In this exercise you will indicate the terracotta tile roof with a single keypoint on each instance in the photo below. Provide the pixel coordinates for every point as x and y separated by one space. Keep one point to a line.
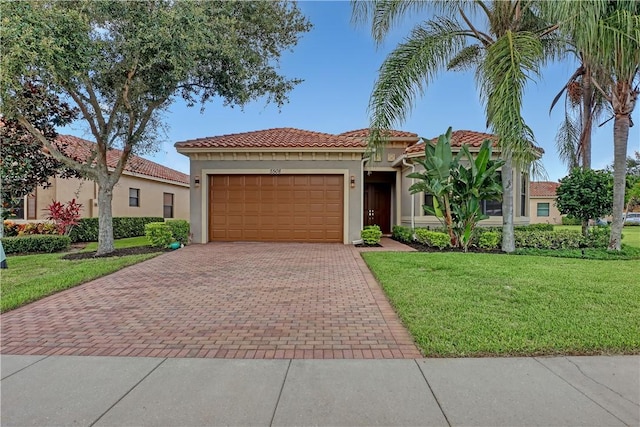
274 138
363 133
543 189
80 149
458 139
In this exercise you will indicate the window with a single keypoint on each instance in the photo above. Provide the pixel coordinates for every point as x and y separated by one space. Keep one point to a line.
428 201
31 206
167 205
523 196
491 207
543 209
134 197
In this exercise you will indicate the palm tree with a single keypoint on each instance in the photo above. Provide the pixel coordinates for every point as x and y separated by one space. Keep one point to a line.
608 32
505 54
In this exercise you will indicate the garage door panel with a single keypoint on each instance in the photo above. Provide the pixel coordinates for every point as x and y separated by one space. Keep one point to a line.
276 208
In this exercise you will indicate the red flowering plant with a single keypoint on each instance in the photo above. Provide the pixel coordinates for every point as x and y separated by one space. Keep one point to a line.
64 216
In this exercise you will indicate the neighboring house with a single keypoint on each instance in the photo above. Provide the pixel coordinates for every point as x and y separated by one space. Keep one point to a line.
543 203
295 185
144 189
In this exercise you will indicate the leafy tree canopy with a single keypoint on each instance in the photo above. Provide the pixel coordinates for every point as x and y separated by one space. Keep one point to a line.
585 194
23 163
122 63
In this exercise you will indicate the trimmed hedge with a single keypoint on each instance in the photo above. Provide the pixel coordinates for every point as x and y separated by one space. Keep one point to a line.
489 240
402 234
561 239
433 238
371 235
159 234
179 229
123 227
36 243
569 220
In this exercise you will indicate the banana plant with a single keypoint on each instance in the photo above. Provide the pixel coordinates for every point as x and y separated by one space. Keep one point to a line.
458 184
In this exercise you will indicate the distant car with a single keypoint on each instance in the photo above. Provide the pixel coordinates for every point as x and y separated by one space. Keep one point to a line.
632 218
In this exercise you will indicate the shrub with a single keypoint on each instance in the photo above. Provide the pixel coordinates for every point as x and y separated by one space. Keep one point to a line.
36 243
561 239
10 228
433 238
65 217
179 229
489 240
123 227
402 234
371 235
539 227
569 220
32 228
159 234
597 237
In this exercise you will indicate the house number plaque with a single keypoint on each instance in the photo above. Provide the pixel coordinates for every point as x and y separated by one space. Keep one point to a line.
276 171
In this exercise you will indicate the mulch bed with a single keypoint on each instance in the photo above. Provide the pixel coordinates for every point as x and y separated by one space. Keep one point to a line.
118 252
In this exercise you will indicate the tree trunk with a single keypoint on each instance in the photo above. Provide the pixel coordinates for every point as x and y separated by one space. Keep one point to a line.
105 219
620 138
585 134
508 238
587 119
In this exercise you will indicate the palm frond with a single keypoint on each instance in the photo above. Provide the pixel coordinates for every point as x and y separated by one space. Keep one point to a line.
509 63
568 141
468 58
407 70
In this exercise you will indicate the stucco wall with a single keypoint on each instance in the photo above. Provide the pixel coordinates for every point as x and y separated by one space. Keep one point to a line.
347 167
555 217
85 192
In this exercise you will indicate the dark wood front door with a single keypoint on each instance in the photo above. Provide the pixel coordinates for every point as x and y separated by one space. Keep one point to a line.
377 205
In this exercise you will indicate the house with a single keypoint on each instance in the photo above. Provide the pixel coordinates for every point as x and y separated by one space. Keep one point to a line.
289 184
144 189
543 203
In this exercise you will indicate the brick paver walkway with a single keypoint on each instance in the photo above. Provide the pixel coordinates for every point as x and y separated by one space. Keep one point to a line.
225 300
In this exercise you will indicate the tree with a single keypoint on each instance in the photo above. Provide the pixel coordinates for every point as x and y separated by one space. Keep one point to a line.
609 33
458 185
122 64
24 165
505 54
585 194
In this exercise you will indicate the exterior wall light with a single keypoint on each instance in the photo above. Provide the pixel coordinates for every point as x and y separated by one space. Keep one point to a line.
353 181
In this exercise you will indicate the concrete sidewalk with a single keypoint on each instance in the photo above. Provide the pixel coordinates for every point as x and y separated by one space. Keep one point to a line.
102 391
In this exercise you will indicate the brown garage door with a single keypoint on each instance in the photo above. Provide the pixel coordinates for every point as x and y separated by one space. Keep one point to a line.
289 208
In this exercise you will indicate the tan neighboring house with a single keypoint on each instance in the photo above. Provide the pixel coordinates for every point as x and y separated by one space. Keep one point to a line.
144 189
296 185
543 203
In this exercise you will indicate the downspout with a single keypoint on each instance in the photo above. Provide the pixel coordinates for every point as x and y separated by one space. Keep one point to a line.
413 196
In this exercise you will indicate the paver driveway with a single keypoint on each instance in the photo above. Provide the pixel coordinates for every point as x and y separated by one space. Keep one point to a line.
231 300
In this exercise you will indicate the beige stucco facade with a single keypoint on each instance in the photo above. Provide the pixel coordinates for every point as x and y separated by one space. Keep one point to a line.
544 211
358 166
151 197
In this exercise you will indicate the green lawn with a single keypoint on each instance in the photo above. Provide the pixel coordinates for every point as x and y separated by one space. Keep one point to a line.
457 304
32 277
129 242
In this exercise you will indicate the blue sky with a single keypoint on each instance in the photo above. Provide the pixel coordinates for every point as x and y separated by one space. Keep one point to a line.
339 62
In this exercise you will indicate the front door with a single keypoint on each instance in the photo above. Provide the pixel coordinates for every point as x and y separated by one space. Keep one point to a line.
377 205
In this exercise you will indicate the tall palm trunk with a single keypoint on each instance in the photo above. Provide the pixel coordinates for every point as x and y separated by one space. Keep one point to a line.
587 118
587 121
620 138
508 238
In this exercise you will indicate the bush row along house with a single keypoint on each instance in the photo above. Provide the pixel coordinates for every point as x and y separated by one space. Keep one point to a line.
296 185
145 189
